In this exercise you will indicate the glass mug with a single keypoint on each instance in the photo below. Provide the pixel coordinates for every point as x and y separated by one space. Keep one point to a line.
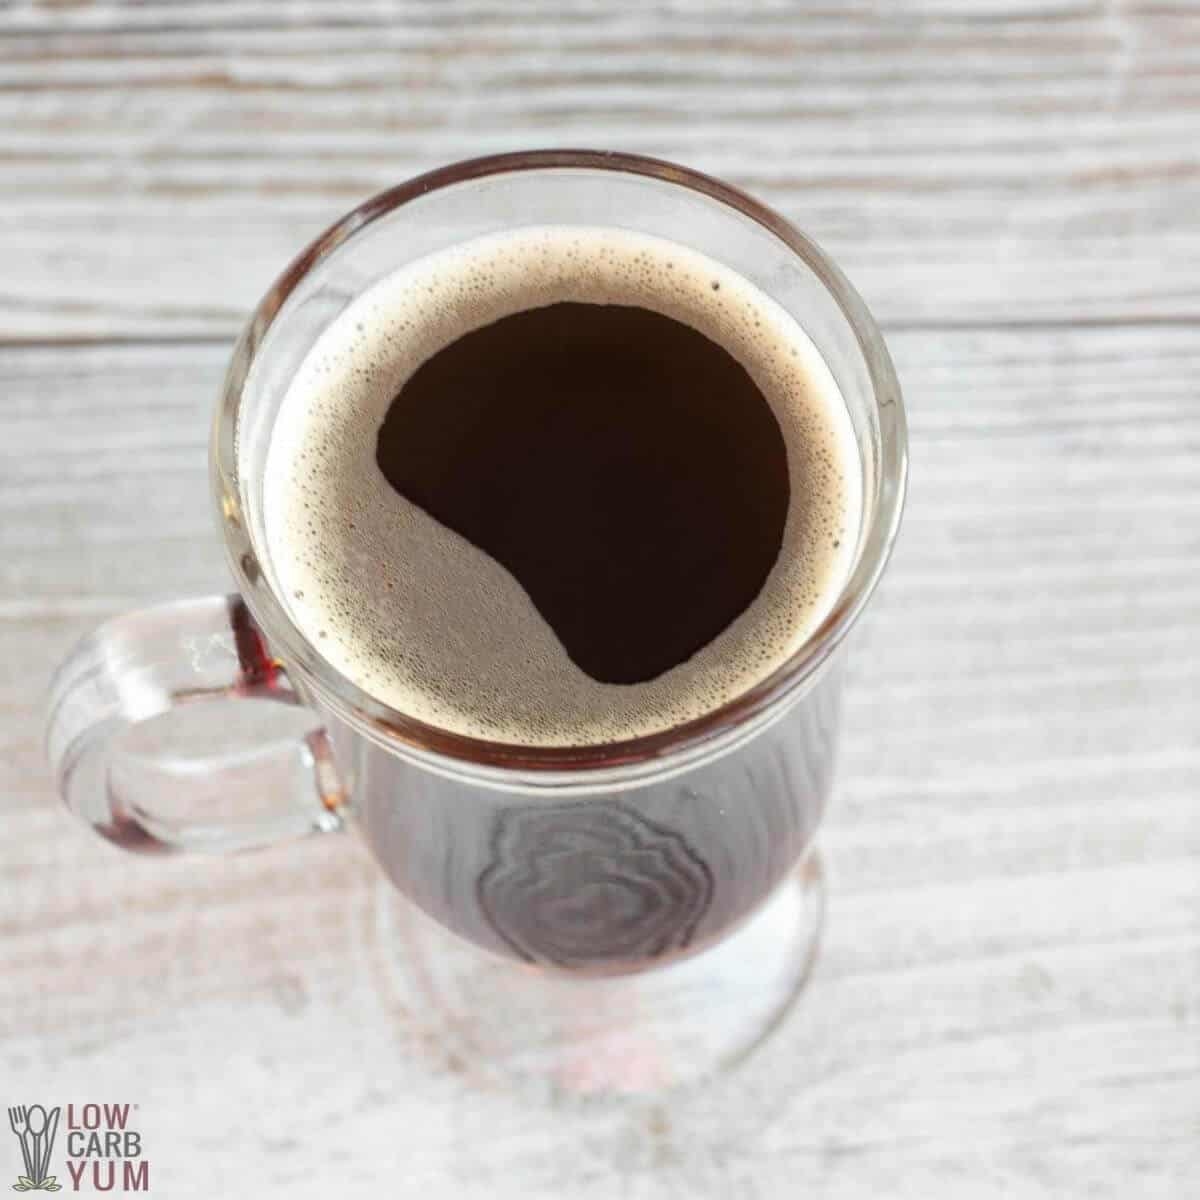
688 847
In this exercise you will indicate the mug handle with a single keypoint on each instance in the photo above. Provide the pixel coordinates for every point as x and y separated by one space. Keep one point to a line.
183 658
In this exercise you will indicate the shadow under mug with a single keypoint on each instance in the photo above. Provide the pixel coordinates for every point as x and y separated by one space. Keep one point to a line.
595 862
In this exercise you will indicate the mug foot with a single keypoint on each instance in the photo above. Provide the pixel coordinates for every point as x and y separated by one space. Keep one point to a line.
673 1026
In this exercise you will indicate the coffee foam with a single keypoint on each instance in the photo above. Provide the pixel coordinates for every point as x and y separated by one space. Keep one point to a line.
431 625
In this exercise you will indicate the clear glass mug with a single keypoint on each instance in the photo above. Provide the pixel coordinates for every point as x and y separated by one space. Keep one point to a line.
595 862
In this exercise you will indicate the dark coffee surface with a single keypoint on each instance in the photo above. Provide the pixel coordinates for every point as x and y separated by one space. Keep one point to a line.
623 467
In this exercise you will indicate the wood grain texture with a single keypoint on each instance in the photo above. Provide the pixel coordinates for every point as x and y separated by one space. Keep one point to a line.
1008 1002
982 162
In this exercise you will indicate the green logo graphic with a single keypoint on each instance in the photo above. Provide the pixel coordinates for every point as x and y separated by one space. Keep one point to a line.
35 1128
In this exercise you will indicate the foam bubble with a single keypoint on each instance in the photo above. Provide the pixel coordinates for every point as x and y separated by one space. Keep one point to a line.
431 625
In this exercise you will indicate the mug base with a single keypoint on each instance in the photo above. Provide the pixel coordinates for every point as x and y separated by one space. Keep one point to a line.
673 1026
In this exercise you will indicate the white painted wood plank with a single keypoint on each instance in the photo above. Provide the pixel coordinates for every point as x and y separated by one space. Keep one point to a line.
980 163
1008 1001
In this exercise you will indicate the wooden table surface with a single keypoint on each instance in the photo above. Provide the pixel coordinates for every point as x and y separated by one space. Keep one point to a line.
1008 1000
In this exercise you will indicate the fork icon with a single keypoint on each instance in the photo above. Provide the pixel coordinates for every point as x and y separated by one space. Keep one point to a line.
19 1120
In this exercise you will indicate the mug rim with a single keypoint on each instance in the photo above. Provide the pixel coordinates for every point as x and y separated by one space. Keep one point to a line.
399 731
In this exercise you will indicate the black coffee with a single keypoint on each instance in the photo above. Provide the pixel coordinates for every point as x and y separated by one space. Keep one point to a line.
561 486
624 467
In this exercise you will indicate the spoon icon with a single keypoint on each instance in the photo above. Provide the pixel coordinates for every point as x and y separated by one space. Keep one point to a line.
36 1127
